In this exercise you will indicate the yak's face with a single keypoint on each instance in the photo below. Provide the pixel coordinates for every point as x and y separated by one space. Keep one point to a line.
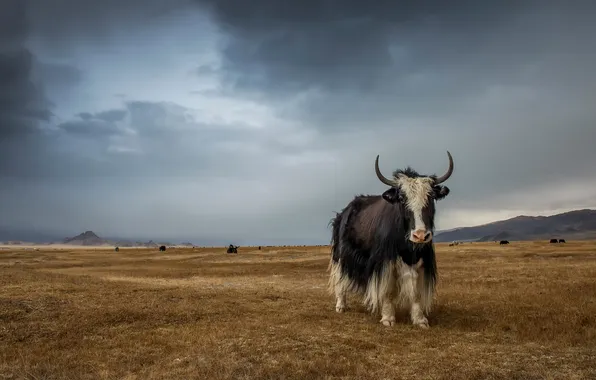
416 195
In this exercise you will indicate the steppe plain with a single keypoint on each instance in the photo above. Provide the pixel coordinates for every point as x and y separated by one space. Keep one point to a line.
521 311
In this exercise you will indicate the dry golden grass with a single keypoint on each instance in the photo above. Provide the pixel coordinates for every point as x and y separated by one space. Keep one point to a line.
523 311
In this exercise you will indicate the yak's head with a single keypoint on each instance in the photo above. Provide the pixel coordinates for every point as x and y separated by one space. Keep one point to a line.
416 194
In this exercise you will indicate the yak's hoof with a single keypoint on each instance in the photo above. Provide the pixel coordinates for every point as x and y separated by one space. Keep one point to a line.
388 321
423 323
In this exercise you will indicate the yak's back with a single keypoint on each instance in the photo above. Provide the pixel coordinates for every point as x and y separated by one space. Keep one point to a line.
365 214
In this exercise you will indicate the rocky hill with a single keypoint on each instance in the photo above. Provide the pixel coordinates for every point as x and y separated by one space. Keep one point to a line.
573 225
87 238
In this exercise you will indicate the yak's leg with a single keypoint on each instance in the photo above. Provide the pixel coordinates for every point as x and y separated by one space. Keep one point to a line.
417 316
416 311
410 294
340 298
388 311
384 284
425 292
339 285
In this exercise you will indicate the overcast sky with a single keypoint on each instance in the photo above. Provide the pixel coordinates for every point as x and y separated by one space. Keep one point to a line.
252 122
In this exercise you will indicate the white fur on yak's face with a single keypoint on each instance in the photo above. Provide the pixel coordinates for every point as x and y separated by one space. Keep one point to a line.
418 194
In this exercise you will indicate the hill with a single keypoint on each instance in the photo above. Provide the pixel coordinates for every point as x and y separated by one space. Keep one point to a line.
87 238
577 225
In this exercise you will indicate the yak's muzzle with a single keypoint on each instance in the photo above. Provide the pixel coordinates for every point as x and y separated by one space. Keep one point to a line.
421 236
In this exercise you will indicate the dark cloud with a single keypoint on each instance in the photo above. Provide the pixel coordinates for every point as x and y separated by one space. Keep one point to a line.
93 22
55 74
506 86
293 45
25 109
387 58
111 115
153 139
23 104
85 116
93 127
13 24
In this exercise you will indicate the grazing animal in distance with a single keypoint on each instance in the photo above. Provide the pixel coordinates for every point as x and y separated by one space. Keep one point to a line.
504 242
561 240
162 248
259 247
554 241
382 246
232 249
116 249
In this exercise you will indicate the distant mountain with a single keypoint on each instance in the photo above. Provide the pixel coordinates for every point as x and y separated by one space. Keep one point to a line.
9 236
578 225
86 238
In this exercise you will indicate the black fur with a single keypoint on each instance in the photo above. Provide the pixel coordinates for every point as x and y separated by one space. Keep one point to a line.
365 248
360 259
503 242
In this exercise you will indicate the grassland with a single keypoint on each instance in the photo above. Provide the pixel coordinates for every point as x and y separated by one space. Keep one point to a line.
523 311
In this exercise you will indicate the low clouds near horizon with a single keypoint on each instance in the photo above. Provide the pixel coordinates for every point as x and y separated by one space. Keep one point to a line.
216 121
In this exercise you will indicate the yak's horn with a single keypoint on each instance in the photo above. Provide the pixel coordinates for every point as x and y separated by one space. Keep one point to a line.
446 176
381 176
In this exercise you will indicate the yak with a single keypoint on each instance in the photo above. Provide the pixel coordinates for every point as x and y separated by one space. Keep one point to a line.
561 240
162 248
382 246
504 242
232 249
553 241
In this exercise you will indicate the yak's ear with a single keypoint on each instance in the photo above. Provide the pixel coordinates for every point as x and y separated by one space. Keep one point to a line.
440 192
391 195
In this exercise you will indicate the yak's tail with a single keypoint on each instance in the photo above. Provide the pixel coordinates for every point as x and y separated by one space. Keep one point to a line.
334 266
335 222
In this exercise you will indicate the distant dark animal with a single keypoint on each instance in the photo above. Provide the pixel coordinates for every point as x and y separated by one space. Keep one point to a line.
382 246
561 240
259 247
116 249
504 242
232 249
162 248
554 241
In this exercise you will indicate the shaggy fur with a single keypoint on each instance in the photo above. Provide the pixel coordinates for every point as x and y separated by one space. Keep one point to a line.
371 253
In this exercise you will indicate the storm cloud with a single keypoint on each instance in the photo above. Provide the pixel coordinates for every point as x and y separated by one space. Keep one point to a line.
218 120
